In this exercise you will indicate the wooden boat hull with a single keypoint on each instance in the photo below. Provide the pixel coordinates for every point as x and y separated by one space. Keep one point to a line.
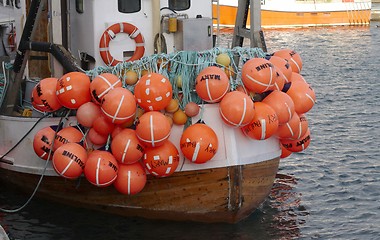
276 18
227 194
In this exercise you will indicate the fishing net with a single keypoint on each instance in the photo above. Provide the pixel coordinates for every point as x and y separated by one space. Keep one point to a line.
183 65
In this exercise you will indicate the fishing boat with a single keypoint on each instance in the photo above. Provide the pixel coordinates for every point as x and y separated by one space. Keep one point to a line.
169 39
301 13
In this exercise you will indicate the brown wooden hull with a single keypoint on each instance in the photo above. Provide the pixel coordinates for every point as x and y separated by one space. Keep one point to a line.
227 194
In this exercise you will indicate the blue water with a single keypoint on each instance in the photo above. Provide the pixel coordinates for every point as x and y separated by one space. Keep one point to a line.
329 191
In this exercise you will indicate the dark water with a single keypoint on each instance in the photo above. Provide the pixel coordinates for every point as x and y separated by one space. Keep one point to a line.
330 191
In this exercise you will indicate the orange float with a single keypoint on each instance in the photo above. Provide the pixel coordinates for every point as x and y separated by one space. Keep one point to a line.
42 142
302 95
69 160
237 109
297 77
279 80
101 168
117 129
172 106
110 33
212 84
282 104
119 105
304 125
102 84
131 179
285 152
44 96
180 117
153 92
67 135
264 123
161 161
292 57
299 144
126 147
192 109
102 126
73 90
291 129
199 143
97 138
283 65
258 75
153 129
87 113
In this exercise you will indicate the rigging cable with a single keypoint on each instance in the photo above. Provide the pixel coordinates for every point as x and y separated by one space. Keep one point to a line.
45 167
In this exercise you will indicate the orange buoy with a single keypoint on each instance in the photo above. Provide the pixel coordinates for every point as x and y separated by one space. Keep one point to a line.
169 116
42 142
279 79
285 152
102 84
131 178
258 75
172 106
304 125
212 84
102 126
180 117
153 92
87 113
67 135
126 147
131 77
101 168
237 109
292 57
290 129
97 138
282 104
69 160
299 144
297 77
153 129
73 90
302 95
199 143
117 129
192 109
264 123
283 65
44 96
161 161
119 105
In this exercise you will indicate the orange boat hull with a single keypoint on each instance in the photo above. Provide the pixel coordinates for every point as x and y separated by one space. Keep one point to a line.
296 19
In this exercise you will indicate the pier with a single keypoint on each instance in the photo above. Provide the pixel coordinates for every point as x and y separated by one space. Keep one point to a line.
375 10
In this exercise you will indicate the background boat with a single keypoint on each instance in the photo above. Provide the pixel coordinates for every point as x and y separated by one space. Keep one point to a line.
296 13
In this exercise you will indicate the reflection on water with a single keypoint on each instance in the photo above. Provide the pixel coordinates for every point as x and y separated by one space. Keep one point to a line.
279 217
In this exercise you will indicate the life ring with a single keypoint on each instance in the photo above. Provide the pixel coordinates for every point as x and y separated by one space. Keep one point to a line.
9 40
110 33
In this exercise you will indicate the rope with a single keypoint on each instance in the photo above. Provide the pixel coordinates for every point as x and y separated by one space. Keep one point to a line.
183 66
45 167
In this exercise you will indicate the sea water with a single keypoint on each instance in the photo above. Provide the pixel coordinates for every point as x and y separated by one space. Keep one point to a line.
329 191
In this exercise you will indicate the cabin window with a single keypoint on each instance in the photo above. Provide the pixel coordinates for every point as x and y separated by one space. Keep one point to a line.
179 5
129 6
79 6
